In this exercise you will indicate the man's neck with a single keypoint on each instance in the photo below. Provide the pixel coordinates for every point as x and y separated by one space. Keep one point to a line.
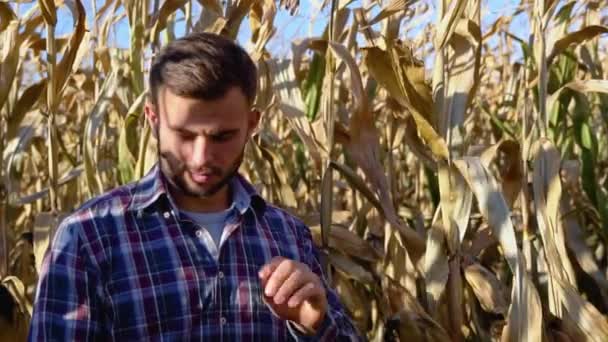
217 202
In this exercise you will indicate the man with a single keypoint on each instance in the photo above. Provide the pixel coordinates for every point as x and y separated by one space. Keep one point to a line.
190 251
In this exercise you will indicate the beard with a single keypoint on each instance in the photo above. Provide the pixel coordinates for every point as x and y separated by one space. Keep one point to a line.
175 172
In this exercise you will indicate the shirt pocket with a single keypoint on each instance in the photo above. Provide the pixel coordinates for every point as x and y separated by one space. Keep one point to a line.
245 292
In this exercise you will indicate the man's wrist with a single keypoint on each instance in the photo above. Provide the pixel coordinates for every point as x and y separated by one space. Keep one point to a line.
302 333
304 330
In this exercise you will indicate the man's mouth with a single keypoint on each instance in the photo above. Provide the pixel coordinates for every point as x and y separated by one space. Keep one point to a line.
201 177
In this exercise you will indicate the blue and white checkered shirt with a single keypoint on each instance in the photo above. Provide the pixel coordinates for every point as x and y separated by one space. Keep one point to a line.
125 267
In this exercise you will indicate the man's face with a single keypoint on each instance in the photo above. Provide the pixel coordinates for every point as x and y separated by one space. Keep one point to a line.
201 143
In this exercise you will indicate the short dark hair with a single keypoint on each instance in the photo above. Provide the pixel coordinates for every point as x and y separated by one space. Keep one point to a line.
203 66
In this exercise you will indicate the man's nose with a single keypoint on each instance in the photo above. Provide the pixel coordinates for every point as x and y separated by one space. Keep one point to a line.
201 152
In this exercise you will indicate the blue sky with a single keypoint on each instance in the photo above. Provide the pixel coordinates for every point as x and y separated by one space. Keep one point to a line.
308 21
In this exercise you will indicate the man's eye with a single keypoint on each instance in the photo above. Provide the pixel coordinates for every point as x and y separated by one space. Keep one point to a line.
222 137
186 136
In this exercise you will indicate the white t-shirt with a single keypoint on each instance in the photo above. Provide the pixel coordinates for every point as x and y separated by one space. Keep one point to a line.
215 222
212 222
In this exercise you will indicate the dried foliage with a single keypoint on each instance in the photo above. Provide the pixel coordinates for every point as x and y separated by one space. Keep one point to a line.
454 177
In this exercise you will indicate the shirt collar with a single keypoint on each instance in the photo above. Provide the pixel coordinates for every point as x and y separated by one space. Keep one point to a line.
151 188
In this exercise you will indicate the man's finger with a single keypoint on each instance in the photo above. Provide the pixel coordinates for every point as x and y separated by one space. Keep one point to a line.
294 282
310 290
269 268
278 277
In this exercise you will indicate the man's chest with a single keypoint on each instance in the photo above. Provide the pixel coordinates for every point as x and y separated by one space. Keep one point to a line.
163 280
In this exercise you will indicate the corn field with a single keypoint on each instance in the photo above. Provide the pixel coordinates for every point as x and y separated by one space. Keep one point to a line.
455 178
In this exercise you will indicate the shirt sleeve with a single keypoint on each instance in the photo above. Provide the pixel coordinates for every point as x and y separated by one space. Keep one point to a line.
337 325
67 306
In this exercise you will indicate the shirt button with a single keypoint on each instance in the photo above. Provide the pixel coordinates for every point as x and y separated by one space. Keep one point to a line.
199 234
220 274
167 214
223 320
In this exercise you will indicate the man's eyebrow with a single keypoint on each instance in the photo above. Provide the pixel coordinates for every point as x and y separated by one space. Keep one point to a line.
210 132
223 131
184 130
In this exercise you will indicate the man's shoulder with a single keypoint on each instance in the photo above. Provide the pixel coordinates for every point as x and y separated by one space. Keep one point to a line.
116 199
284 217
114 202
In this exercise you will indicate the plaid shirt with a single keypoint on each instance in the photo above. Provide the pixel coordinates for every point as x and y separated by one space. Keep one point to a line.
126 267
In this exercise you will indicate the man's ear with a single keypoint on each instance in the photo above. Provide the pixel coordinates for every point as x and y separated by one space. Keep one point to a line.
152 117
254 121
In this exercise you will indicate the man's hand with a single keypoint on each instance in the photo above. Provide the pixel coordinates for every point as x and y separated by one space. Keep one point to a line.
294 292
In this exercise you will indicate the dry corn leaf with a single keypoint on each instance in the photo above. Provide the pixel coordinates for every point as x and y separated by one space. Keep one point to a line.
327 183
277 168
43 231
461 83
389 9
74 51
547 196
93 123
104 9
587 317
544 9
6 15
30 128
358 183
455 298
159 19
397 264
292 106
576 37
436 269
456 201
522 322
413 319
17 290
49 11
265 96
575 241
263 29
213 6
9 59
211 21
350 268
18 330
541 15
70 176
490 292
378 63
413 81
448 23
22 107
21 263
511 172
235 14
416 145
361 105
496 26
127 141
347 242
354 299
371 37
581 86
456 76
364 149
